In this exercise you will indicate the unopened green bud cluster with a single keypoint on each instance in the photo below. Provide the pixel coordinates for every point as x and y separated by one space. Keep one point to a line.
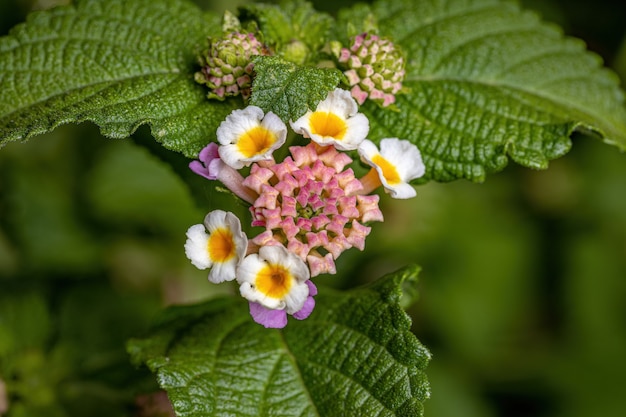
227 65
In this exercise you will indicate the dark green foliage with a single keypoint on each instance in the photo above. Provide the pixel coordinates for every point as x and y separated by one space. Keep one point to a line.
355 353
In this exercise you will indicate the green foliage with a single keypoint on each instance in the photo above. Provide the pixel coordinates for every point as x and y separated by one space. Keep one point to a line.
125 179
91 235
355 353
290 90
66 362
119 64
487 82
294 29
522 289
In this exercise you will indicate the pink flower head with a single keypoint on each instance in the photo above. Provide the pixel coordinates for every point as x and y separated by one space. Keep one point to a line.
309 204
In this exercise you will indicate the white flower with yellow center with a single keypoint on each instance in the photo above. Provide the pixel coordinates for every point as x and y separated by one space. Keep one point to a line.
218 244
274 278
249 136
397 163
335 121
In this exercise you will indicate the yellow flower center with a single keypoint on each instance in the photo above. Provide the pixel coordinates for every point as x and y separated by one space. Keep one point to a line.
256 141
274 281
389 171
328 124
221 245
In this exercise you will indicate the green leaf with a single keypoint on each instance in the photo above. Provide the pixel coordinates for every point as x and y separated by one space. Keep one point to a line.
354 355
40 201
24 324
487 82
294 29
290 90
130 188
118 63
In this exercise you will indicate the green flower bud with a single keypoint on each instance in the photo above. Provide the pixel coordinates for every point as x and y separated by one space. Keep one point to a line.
227 65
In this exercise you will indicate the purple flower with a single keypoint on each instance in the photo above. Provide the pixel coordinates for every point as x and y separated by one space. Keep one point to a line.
209 163
211 166
277 319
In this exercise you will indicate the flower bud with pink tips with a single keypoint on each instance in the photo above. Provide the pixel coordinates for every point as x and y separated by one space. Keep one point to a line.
374 68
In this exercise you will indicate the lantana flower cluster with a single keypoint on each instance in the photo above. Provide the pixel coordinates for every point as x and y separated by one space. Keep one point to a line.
310 206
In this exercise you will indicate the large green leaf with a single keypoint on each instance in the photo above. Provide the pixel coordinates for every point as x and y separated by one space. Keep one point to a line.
488 81
354 356
117 63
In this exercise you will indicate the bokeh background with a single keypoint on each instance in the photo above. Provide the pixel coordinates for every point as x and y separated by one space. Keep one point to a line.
522 293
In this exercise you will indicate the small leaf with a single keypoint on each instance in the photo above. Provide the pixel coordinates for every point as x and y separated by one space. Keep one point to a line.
119 64
488 81
290 90
355 355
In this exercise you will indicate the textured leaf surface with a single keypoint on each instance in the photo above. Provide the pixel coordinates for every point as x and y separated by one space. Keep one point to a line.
292 25
117 63
488 82
354 356
288 89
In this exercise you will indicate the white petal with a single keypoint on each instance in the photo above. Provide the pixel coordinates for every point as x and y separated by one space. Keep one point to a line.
196 247
220 219
358 128
224 271
229 133
231 156
367 149
278 255
248 292
273 254
239 237
401 191
237 123
215 220
274 124
301 126
405 156
295 299
249 268
339 102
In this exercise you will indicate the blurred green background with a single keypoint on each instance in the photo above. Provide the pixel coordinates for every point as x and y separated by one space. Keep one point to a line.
522 294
